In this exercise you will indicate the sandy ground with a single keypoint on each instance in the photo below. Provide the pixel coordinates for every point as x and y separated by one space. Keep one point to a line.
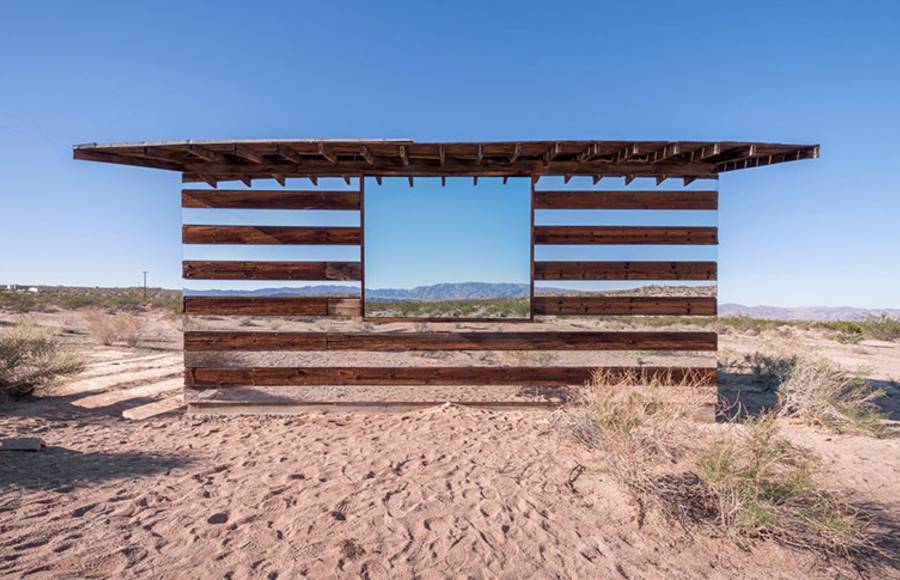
441 492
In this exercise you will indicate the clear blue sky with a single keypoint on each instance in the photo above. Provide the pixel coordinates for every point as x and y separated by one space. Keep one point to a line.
812 232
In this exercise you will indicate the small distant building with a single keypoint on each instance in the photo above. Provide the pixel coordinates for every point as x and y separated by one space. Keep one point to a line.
33 290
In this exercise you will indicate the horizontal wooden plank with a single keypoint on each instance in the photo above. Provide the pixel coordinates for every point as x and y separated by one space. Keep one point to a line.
434 341
223 407
272 306
625 305
625 235
248 199
684 200
448 376
210 234
226 270
625 271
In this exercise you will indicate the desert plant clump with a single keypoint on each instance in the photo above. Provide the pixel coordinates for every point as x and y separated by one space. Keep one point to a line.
760 486
636 430
748 484
820 392
109 329
33 358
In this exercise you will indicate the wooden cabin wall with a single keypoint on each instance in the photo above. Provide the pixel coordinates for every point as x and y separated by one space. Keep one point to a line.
287 354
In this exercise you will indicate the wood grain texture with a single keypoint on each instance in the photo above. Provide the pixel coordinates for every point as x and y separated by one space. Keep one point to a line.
625 271
228 270
663 200
444 376
625 305
213 234
246 199
436 341
664 235
272 306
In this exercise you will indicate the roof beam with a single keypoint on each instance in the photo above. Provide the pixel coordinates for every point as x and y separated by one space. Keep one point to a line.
367 155
703 153
314 180
626 153
247 153
248 181
404 158
592 151
204 153
328 155
442 155
480 154
517 151
289 154
279 178
210 180
552 152
664 154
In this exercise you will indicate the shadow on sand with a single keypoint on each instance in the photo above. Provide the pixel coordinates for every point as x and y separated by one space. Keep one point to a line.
64 469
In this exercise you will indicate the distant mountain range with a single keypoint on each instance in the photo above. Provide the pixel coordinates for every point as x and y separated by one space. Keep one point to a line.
485 290
446 291
814 313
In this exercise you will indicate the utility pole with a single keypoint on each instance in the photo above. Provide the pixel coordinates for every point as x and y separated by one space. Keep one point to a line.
145 284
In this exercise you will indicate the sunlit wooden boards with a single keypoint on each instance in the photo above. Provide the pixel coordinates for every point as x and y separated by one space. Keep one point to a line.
267 199
412 376
455 340
620 235
272 306
625 270
662 200
624 305
232 270
271 235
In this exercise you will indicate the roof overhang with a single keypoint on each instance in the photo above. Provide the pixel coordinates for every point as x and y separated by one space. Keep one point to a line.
215 161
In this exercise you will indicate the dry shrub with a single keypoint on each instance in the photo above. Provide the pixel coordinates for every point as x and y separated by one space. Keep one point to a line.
32 358
820 392
109 329
748 484
636 429
760 486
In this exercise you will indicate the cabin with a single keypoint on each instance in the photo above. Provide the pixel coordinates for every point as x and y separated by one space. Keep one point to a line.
251 352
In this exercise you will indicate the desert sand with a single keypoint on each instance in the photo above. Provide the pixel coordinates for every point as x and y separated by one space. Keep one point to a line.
447 491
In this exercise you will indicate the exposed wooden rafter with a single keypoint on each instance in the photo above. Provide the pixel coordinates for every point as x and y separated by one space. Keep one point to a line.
245 152
329 156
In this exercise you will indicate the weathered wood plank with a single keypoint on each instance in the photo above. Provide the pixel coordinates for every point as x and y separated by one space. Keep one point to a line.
272 306
212 234
244 199
681 200
434 341
220 407
625 271
625 235
449 376
228 270
625 305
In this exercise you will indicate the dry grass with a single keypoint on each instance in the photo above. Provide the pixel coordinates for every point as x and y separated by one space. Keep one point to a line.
820 392
748 484
760 486
33 358
637 429
122 327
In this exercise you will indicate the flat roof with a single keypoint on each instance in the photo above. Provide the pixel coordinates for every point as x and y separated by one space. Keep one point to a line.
245 160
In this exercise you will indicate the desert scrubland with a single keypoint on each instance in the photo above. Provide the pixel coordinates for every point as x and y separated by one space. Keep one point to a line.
592 489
